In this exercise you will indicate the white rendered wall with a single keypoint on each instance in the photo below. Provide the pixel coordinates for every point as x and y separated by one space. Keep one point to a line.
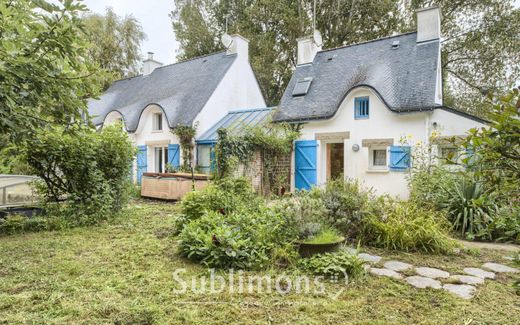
146 135
381 124
237 90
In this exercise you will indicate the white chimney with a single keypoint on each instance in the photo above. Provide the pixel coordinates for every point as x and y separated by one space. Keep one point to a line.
239 45
150 64
307 49
428 24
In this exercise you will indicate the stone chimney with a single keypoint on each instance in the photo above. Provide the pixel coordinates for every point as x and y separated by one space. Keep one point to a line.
150 64
307 49
239 46
428 24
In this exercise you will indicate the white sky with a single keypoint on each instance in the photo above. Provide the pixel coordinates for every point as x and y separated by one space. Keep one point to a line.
153 16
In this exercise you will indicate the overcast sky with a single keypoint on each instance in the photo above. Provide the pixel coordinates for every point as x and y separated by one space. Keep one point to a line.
153 16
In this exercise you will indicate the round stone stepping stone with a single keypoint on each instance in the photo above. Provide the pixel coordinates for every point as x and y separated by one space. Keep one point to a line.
467 279
385 272
397 266
423 282
499 268
369 258
475 271
430 272
462 290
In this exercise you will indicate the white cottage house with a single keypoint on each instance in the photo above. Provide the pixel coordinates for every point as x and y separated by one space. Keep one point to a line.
359 102
198 92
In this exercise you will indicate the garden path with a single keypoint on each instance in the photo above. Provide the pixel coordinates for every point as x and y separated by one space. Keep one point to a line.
462 285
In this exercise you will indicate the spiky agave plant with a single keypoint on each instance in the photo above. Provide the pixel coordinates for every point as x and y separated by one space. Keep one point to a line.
470 209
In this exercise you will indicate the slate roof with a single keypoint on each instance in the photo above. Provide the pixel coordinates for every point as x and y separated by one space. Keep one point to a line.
235 122
180 89
404 78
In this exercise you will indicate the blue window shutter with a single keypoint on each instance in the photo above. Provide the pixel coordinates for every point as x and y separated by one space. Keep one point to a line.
141 162
212 160
400 158
361 107
305 155
174 155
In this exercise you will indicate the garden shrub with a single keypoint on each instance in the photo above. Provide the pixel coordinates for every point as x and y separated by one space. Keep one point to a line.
239 240
347 204
337 264
469 208
305 212
408 227
16 224
224 196
84 173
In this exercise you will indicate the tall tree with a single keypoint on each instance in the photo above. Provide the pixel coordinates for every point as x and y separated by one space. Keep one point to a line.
45 74
116 42
480 48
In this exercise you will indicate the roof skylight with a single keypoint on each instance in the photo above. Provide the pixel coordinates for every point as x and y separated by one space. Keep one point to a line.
302 87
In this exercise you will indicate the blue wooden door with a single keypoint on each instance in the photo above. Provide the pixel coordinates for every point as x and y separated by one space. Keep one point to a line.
141 162
305 174
174 155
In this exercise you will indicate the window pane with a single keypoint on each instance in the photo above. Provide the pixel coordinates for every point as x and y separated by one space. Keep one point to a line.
379 157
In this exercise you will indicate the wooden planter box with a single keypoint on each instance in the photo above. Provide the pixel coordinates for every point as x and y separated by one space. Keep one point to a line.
170 186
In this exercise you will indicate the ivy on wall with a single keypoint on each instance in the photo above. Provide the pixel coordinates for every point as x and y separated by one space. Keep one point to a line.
272 141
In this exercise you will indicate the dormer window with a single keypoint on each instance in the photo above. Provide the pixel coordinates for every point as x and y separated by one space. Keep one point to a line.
157 122
302 87
361 108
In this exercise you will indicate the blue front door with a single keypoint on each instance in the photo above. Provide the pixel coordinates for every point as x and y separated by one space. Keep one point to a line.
305 153
141 162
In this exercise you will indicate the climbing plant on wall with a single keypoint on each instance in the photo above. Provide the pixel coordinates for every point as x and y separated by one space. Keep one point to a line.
186 135
271 141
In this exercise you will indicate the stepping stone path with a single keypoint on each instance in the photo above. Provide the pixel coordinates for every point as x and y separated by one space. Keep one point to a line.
386 272
462 290
480 273
369 258
462 285
466 279
499 268
397 266
430 272
423 282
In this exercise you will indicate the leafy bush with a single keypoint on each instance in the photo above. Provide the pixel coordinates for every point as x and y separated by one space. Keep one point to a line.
240 240
408 227
224 196
505 226
84 173
305 212
347 204
428 186
469 208
15 224
338 264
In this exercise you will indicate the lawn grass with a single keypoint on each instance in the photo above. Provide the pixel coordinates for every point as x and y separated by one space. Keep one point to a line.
121 272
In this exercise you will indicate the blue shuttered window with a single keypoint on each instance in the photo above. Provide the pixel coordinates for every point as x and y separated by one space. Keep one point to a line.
400 158
174 155
361 108
141 162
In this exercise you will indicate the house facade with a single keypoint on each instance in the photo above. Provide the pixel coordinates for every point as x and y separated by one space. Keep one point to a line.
196 92
364 108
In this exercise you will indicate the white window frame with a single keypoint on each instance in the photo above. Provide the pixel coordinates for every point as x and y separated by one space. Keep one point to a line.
157 122
371 166
164 157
